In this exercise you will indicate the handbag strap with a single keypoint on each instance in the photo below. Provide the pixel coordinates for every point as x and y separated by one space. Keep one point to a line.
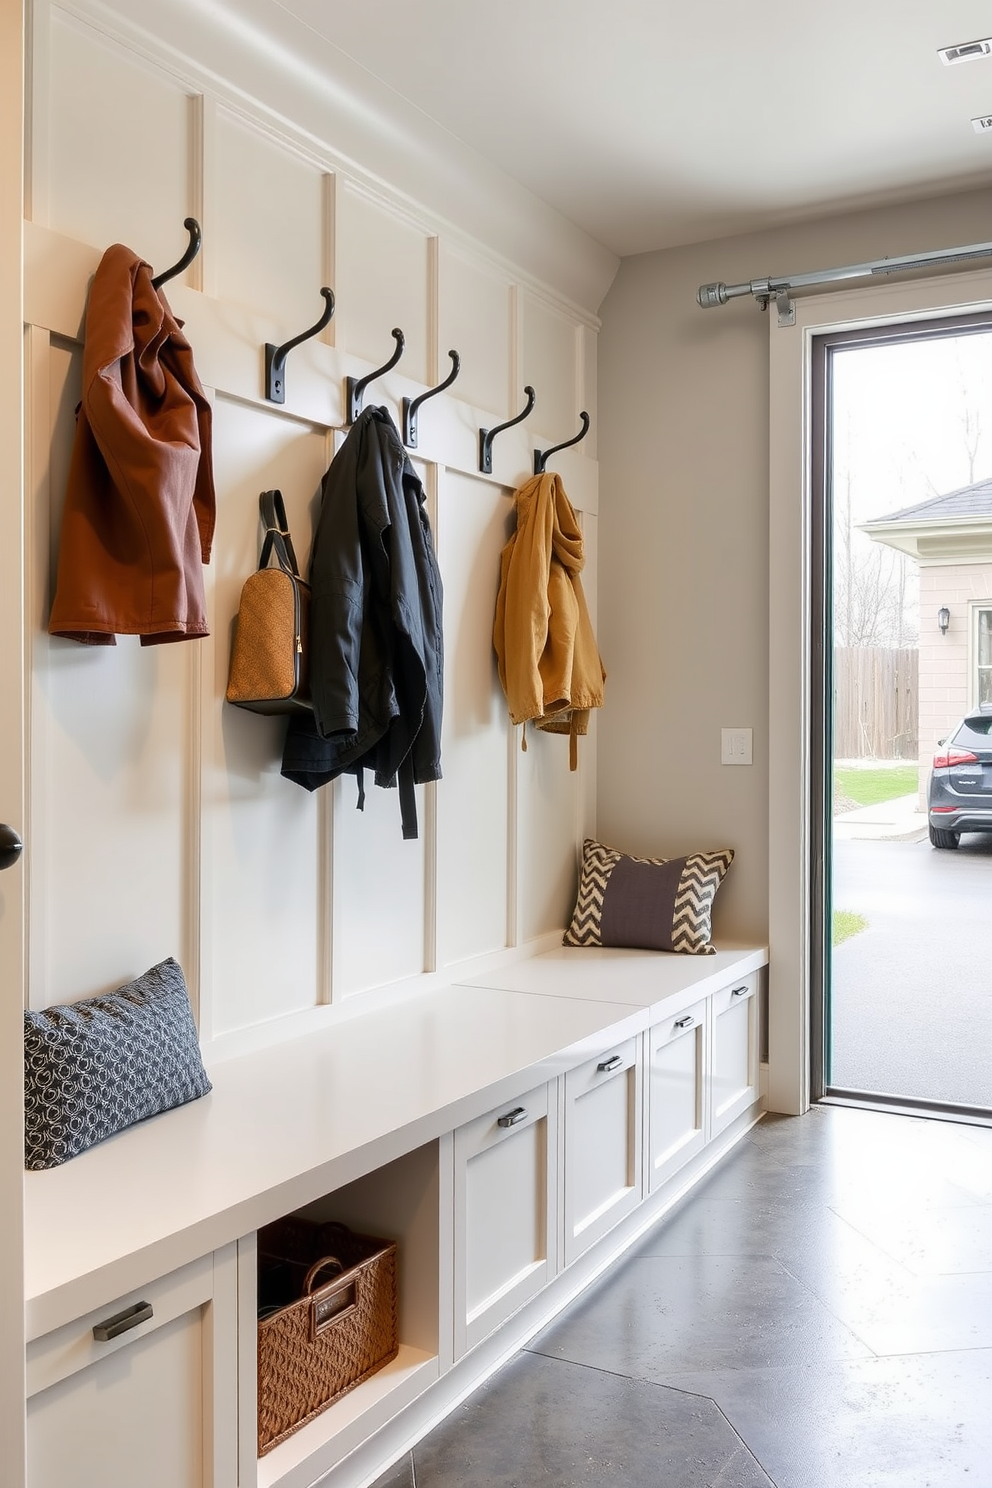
277 539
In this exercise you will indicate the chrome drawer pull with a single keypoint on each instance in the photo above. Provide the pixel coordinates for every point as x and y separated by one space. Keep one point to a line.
740 991
519 1113
614 1062
122 1322
687 1022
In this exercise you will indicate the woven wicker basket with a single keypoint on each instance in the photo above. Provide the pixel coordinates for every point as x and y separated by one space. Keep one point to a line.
327 1319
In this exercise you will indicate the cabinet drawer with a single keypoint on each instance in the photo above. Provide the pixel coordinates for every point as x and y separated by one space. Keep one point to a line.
141 1390
734 1082
65 1351
602 1117
677 1068
504 1213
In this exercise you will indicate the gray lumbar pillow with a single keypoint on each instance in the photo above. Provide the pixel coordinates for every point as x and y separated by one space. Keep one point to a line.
92 1068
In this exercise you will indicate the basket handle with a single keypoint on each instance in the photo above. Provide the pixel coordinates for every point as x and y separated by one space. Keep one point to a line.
335 1300
316 1269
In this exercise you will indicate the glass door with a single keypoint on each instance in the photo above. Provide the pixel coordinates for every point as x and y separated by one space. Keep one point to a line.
906 694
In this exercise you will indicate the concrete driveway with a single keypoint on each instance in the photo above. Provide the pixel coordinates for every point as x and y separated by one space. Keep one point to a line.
912 994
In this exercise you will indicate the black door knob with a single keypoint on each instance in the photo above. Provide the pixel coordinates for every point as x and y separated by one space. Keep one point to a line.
11 846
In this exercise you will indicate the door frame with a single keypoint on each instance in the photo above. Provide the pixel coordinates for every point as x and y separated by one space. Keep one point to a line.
796 865
823 347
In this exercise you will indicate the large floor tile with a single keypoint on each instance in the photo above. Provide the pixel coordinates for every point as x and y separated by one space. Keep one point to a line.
656 1316
909 1422
746 1226
542 1423
828 1158
939 1241
399 1476
889 1307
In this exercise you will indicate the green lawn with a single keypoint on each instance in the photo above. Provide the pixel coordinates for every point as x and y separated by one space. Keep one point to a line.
868 787
846 924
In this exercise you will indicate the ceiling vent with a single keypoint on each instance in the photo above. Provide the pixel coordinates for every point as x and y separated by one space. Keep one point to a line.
968 51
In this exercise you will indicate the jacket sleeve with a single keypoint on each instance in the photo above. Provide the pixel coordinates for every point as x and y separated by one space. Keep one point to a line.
523 608
337 583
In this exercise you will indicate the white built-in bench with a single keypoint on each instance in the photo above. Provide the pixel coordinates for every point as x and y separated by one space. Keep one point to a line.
626 1075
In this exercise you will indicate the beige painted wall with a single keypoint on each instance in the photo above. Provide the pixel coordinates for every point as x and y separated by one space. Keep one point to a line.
947 661
683 625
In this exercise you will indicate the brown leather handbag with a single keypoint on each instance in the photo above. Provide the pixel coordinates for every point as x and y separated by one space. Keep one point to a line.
270 653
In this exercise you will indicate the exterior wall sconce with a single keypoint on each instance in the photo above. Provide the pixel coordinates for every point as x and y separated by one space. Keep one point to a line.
943 619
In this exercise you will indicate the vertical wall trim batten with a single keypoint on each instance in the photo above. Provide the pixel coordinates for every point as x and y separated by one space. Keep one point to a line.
198 838
433 348
196 195
37 564
193 843
580 371
325 896
327 973
37 167
514 877
434 486
203 141
516 309
328 249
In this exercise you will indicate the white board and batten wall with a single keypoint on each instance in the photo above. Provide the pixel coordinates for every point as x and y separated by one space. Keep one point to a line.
159 821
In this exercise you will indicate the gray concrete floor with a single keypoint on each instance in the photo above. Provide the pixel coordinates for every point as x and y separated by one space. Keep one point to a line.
816 1314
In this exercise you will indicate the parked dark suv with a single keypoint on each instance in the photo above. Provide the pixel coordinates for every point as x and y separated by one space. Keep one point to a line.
959 796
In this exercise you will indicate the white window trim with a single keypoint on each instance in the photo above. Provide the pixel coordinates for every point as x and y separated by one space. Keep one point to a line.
790 504
975 608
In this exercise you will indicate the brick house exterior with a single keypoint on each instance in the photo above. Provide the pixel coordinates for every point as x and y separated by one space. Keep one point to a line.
950 537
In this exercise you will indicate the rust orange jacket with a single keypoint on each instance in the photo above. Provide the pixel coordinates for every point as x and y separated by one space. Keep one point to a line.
549 664
139 509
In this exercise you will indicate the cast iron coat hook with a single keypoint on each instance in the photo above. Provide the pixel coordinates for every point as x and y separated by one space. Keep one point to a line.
486 436
192 249
275 356
410 405
541 456
356 385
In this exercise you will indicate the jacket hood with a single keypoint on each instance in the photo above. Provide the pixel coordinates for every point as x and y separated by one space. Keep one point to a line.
565 536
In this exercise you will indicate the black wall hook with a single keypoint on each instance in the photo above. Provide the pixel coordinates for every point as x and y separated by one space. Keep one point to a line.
275 356
411 405
486 436
541 456
192 249
356 386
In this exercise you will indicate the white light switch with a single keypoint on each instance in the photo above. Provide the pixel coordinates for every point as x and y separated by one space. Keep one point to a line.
735 746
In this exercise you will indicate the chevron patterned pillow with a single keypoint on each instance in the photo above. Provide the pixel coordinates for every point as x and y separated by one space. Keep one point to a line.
650 904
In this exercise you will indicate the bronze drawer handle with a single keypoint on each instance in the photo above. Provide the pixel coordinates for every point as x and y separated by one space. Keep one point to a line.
608 1065
122 1322
518 1114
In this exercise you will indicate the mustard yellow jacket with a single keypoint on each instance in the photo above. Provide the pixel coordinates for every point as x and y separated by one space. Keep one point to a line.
549 664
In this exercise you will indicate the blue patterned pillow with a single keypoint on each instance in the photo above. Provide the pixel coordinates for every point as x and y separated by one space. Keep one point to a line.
92 1068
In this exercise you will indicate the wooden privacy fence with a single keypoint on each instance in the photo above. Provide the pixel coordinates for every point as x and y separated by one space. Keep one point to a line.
876 703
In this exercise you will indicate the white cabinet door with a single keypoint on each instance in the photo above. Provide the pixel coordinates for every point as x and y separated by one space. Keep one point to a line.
677 1065
505 1232
602 1121
142 1391
734 1084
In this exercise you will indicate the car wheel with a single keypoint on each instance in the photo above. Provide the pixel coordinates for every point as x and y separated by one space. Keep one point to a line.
940 838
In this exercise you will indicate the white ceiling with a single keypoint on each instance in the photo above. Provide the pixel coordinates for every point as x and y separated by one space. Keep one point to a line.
651 123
